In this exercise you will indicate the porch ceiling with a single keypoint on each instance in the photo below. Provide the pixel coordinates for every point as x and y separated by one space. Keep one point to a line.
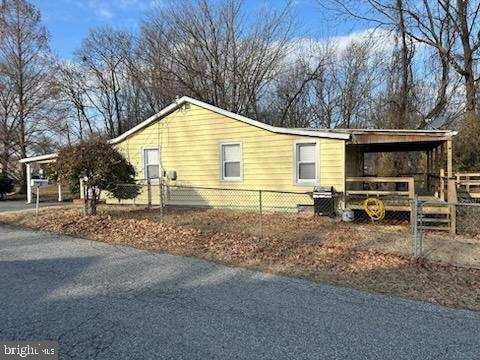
398 141
396 146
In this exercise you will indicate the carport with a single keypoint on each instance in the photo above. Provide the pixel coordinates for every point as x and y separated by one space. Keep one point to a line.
36 162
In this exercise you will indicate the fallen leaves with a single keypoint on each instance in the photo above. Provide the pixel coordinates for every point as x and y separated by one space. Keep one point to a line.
313 247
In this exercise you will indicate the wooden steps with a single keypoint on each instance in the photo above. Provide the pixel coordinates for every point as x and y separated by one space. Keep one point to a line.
434 217
438 218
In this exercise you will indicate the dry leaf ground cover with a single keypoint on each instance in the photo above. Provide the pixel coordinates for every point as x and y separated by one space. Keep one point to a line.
320 249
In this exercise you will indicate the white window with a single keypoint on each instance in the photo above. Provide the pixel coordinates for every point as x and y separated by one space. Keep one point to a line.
231 161
305 158
151 163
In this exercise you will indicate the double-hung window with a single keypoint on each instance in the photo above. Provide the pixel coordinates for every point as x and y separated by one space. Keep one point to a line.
231 161
151 163
305 163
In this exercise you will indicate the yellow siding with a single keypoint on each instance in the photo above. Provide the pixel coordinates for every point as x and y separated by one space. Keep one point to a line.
189 142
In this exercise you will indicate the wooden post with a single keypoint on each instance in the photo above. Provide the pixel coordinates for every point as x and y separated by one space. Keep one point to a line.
411 188
428 169
449 158
452 203
442 184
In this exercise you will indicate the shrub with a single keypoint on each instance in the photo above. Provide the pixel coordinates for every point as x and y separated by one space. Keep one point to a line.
102 166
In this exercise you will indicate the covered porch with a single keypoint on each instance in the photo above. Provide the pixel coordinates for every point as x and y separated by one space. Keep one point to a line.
429 178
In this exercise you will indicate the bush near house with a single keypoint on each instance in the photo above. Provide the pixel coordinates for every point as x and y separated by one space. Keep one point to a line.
102 167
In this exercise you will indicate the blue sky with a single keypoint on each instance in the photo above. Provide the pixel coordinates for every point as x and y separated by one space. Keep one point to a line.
68 21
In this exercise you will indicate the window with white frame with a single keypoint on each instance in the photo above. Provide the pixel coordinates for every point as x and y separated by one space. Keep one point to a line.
305 157
151 163
231 161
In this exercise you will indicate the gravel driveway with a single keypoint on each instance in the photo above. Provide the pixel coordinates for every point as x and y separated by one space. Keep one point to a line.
106 302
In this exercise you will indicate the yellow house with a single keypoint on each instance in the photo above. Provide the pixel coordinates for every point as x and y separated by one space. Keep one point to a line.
208 147
201 148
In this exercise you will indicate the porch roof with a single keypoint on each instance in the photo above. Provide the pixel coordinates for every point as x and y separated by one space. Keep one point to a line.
391 140
39 159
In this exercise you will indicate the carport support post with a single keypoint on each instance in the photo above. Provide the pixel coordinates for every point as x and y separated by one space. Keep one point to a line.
29 182
60 198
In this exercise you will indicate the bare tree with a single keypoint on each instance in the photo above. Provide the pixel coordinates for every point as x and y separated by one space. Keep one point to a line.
25 59
7 122
73 87
104 58
450 27
210 51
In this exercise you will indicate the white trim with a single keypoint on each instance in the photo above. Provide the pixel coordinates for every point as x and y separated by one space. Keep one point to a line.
296 180
144 165
29 183
27 160
387 131
220 147
185 99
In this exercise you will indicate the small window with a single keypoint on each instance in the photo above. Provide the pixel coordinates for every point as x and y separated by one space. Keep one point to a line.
231 157
306 162
151 161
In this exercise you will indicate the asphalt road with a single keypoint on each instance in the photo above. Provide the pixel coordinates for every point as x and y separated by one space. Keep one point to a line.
106 302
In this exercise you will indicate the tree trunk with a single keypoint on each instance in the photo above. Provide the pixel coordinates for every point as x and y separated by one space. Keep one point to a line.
91 207
471 105
469 72
23 154
90 201
405 70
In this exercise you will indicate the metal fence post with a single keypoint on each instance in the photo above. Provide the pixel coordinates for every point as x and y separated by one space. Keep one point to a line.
420 228
260 208
85 195
37 200
160 195
149 194
414 224
417 227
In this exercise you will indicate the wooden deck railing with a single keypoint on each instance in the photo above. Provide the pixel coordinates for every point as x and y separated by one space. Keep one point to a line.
377 184
470 182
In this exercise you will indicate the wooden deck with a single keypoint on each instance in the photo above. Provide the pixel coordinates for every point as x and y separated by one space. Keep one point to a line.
432 205
398 194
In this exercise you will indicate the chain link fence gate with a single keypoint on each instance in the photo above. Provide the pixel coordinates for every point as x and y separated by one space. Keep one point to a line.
447 232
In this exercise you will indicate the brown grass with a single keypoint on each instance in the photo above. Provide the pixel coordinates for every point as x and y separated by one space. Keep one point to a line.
320 249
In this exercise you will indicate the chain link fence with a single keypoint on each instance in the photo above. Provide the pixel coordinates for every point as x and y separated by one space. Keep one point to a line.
52 192
405 227
448 232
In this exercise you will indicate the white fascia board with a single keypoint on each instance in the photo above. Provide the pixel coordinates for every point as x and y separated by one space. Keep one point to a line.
173 106
38 158
185 99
